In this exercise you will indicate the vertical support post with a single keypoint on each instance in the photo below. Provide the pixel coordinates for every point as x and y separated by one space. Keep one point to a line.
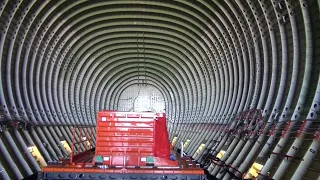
181 149
72 147
87 139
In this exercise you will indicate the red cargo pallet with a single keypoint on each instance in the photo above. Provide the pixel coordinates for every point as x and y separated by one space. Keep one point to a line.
132 139
128 145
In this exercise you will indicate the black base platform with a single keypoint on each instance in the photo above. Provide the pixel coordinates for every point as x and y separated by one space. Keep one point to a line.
91 176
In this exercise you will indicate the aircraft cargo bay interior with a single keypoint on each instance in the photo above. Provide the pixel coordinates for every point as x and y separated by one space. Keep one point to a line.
160 89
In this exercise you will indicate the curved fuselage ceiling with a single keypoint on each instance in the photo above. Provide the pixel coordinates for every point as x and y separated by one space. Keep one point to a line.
200 62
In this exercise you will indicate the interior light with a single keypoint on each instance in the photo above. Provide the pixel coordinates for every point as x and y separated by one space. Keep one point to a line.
37 155
174 140
66 146
87 142
253 171
200 148
30 148
186 143
220 154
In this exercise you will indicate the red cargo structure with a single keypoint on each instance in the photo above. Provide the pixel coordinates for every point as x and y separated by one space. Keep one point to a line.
132 139
128 145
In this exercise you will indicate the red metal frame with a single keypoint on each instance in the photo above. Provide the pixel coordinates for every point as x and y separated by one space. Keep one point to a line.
286 129
317 135
301 128
272 130
78 133
261 130
123 139
130 139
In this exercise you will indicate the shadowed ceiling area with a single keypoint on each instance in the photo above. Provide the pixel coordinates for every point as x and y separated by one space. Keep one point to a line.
62 61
